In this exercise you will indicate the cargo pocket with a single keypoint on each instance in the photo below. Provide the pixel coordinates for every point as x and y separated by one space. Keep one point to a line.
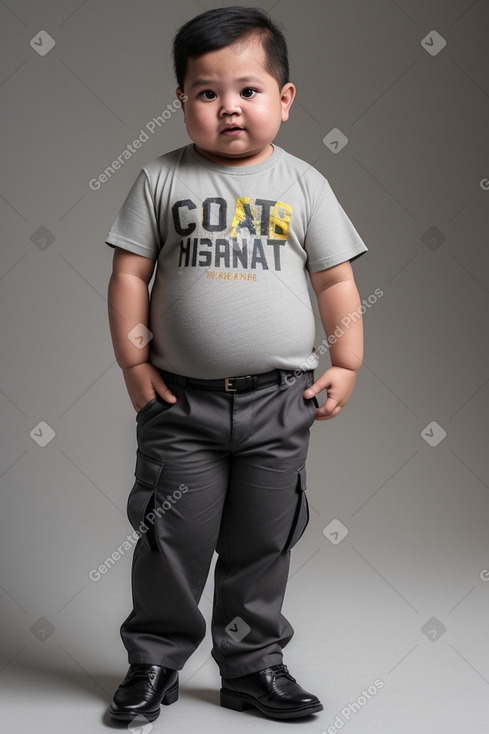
141 500
301 515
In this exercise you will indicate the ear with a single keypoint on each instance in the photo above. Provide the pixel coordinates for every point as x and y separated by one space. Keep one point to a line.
182 97
287 95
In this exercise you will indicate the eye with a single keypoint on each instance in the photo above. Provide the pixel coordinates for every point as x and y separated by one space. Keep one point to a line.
248 93
208 94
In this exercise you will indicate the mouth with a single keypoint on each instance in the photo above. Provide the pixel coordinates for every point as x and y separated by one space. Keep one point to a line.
232 130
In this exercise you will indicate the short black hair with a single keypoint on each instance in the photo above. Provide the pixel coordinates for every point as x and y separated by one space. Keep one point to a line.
222 27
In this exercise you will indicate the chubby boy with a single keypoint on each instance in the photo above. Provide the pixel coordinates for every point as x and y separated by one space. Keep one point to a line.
218 359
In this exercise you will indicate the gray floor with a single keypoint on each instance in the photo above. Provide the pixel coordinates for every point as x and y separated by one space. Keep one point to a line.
358 646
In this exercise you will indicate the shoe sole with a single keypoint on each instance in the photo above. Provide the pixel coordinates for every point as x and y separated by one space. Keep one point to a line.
241 701
169 697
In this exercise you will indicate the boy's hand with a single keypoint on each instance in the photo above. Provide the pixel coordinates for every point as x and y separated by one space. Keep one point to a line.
339 383
143 381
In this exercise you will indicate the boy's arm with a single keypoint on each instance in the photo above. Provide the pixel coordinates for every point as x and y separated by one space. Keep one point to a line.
338 299
128 300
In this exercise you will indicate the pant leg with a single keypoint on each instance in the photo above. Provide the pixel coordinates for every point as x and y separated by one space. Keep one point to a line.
264 514
178 495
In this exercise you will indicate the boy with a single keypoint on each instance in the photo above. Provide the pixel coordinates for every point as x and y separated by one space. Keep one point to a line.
223 381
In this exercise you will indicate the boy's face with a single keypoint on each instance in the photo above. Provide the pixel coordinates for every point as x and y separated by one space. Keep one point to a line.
234 107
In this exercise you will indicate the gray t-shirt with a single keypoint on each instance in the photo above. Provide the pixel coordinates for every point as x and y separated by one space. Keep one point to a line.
233 244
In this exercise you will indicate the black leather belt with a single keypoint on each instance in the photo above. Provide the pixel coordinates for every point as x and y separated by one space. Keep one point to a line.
246 383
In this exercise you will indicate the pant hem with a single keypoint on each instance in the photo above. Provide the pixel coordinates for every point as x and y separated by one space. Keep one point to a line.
239 670
145 659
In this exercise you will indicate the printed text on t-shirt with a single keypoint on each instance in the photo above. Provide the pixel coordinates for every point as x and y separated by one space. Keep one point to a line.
251 238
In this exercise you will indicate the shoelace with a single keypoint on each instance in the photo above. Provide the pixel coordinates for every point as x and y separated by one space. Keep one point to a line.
141 673
277 670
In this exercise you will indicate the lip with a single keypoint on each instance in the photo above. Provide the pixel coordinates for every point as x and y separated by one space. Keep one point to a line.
232 131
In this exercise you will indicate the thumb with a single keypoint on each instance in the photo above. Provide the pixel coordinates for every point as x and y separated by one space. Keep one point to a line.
162 389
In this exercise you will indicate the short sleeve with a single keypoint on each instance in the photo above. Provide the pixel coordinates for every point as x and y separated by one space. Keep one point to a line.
136 227
331 237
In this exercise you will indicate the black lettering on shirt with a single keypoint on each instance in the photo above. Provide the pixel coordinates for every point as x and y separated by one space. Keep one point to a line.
240 253
222 253
258 255
183 204
276 244
222 213
205 256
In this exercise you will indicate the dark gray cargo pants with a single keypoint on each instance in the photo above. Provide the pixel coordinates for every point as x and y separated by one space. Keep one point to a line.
225 472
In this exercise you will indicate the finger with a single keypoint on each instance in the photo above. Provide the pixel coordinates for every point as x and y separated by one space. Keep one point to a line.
316 388
162 389
326 410
139 404
333 414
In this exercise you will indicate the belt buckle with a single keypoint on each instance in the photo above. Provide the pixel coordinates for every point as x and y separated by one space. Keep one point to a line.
245 382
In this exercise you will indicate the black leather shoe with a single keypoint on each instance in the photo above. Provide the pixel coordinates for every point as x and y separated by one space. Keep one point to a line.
273 691
142 691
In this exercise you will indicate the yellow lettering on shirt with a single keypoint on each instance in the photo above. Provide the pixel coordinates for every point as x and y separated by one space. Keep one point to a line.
245 217
280 215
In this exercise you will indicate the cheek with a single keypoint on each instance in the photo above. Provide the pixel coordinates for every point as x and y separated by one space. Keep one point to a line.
265 118
266 125
199 120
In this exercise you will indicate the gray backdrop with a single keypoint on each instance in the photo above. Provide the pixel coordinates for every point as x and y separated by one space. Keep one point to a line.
389 584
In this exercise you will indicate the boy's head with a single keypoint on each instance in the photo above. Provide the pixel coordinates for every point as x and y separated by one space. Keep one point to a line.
223 27
233 81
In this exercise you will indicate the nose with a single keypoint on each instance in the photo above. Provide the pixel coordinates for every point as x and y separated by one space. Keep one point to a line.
230 105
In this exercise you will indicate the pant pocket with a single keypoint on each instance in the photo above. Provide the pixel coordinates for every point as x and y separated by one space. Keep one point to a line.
141 500
301 515
154 407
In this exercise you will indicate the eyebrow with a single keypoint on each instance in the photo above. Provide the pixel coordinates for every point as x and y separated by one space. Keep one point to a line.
210 82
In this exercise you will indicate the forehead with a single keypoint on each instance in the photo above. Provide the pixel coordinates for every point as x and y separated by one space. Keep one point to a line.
242 59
